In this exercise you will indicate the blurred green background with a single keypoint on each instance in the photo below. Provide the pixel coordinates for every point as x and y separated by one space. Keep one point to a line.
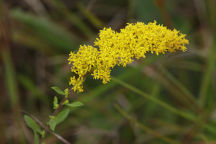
158 100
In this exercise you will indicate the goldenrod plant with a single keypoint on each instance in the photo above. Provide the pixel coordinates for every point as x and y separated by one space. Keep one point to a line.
120 49
110 49
107 72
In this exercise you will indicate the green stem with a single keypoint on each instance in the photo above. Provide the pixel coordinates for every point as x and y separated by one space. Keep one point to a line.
208 75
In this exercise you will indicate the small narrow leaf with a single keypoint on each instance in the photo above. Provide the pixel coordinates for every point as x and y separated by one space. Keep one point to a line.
61 116
75 104
55 103
66 91
32 124
58 90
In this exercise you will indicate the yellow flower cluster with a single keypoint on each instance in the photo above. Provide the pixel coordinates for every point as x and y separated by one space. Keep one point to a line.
121 48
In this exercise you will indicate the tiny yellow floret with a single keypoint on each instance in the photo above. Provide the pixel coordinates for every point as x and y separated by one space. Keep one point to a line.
113 48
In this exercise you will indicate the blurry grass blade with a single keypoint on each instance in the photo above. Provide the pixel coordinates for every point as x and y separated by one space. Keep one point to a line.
30 86
10 78
155 100
54 34
169 125
75 20
150 106
12 89
91 17
21 37
207 77
143 127
204 138
189 65
183 114
184 92
164 13
211 4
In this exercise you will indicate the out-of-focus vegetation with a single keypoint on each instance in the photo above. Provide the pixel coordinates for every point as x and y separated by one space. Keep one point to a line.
166 99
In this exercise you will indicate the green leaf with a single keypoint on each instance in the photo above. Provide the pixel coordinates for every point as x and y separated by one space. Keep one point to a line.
75 104
36 138
61 116
52 124
55 103
58 90
32 124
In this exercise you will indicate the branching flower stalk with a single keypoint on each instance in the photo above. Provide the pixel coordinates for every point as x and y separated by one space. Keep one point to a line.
61 112
113 48
47 129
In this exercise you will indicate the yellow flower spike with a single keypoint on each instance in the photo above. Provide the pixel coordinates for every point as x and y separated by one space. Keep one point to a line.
113 48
